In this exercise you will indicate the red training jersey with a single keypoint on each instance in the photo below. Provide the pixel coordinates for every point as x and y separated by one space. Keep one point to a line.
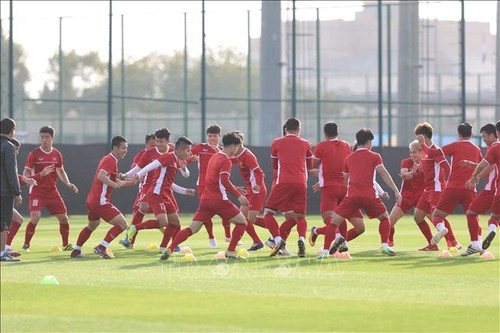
411 188
37 160
204 151
291 156
491 181
331 154
100 192
217 182
361 165
147 157
493 157
137 158
250 169
433 170
162 178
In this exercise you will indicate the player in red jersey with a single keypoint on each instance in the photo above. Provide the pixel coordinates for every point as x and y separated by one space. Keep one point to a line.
482 202
412 187
215 201
162 171
291 157
99 200
455 191
46 192
202 152
361 168
436 170
492 158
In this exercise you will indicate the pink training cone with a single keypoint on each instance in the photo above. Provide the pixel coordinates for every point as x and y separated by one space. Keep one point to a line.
345 256
444 254
337 255
220 255
487 255
186 249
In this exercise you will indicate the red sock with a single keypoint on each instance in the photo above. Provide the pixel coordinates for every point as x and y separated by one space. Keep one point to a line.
391 234
30 231
450 236
227 228
64 231
343 229
286 228
180 237
493 221
426 230
473 225
238 231
170 231
384 228
113 233
321 230
149 224
302 227
251 232
83 236
330 232
261 222
210 229
137 218
327 220
351 234
272 224
14 227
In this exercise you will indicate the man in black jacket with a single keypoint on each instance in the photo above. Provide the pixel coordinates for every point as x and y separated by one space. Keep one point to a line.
10 190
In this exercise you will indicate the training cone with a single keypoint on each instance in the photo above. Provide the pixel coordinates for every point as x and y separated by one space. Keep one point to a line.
153 247
189 257
186 249
454 250
55 248
337 255
49 280
220 255
444 254
487 255
345 256
243 253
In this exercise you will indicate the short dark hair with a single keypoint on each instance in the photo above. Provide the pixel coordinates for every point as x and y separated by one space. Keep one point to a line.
16 142
214 129
497 125
48 130
7 125
241 135
149 136
465 130
331 129
489 129
292 124
363 136
182 141
162 133
116 141
284 129
231 138
425 129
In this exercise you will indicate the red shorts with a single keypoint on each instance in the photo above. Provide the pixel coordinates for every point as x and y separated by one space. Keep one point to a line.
159 204
408 203
495 206
200 190
287 197
374 207
331 196
256 200
428 201
172 199
106 212
137 204
482 202
52 201
210 207
453 196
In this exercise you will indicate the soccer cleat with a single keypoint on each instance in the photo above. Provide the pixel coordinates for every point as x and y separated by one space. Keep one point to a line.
228 240
302 249
25 248
126 243
8 258
269 242
390 243
131 232
284 252
455 244
68 247
343 248
312 236
488 239
213 243
77 254
336 244
256 246
437 237
385 249
430 247
277 246
177 249
472 250
166 254
323 254
101 252
231 255
13 253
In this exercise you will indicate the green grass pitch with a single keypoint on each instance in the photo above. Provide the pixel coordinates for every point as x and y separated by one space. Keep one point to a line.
412 292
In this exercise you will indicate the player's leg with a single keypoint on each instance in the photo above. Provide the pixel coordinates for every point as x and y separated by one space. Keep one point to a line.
30 228
181 236
17 221
396 214
493 222
173 227
251 216
84 235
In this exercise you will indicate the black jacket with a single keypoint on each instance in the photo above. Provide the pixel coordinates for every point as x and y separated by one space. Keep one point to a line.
8 173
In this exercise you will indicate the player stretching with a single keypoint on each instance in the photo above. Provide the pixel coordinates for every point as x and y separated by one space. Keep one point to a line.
46 192
215 201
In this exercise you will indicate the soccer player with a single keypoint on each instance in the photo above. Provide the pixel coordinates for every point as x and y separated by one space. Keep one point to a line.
482 202
436 170
99 200
159 196
202 152
215 201
492 158
46 193
291 157
456 192
360 168
412 186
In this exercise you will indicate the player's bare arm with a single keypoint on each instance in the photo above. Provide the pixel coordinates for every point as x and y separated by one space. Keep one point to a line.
382 171
64 178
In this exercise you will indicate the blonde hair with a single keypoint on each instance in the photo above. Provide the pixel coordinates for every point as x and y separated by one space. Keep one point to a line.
415 145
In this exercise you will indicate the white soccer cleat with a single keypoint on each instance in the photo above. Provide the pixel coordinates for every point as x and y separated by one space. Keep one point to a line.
213 243
437 237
